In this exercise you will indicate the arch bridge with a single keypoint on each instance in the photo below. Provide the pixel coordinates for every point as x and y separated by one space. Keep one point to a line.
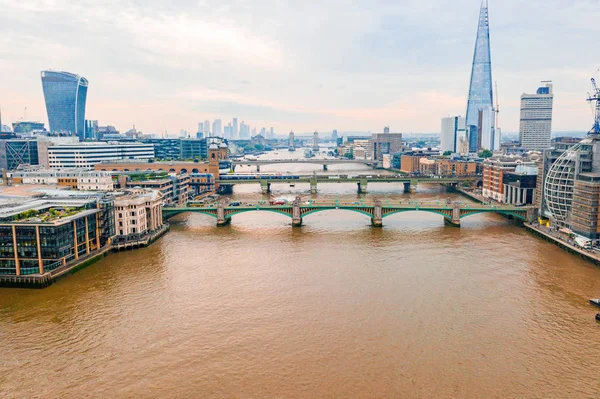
376 210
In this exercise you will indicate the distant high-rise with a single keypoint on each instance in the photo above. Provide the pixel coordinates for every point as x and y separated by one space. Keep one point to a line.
216 130
480 109
316 141
207 127
234 129
334 136
453 129
535 129
65 94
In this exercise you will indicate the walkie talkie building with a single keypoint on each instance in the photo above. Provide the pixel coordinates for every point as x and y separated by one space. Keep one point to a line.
65 94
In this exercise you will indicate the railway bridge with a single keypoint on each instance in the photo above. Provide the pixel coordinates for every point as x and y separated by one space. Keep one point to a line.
226 182
376 210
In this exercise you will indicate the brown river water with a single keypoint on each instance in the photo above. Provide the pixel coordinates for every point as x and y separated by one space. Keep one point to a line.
335 309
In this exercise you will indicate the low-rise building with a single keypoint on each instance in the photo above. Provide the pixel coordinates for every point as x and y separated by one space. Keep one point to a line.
493 175
137 214
86 155
72 178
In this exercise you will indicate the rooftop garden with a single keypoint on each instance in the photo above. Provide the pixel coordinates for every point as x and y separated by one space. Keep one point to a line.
50 215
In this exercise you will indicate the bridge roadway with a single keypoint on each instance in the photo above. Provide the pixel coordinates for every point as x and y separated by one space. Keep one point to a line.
376 210
314 161
410 183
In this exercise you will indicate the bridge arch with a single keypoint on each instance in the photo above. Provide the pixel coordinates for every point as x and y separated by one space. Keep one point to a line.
245 210
436 211
498 212
362 212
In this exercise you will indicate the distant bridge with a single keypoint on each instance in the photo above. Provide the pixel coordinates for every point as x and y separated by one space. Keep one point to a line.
410 183
313 161
376 210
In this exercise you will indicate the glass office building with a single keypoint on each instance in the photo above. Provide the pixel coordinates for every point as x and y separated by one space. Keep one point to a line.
480 109
65 94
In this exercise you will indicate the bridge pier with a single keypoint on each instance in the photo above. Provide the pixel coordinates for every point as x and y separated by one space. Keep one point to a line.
413 186
265 187
377 219
325 167
452 222
221 219
258 168
313 186
296 213
362 187
232 168
455 221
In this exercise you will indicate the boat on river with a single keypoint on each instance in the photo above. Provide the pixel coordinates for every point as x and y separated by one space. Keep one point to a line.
595 302
598 316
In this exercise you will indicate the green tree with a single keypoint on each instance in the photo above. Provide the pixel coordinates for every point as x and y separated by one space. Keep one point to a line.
447 153
485 153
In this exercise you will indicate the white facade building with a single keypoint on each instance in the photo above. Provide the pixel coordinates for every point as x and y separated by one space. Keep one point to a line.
535 129
86 155
453 129
95 181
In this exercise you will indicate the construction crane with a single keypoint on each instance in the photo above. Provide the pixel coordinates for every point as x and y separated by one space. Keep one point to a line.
594 96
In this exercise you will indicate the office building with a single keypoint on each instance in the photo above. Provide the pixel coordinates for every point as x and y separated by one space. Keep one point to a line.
15 152
40 235
480 110
91 129
194 149
65 95
165 149
234 129
315 145
138 213
334 136
85 155
498 187
535 129
453 129
216 128
585 214
206 130
384 143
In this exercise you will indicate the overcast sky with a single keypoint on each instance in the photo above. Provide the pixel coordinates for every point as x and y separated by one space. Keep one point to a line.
302 65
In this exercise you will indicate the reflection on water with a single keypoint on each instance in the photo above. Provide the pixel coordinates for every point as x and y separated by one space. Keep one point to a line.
334 309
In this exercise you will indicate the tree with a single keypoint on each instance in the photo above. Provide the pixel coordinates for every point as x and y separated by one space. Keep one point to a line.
485 153
447 153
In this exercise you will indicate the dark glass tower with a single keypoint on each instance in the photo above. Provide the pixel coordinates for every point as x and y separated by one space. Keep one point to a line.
480 108
65 94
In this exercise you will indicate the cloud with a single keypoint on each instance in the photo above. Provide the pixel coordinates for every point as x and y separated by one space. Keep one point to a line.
308 65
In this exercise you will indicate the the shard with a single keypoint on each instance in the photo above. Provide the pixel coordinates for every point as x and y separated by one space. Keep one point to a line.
480 107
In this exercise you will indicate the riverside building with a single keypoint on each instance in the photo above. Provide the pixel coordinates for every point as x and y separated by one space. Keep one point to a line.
45 235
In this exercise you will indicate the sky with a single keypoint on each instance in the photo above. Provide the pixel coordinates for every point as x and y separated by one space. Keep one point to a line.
350 65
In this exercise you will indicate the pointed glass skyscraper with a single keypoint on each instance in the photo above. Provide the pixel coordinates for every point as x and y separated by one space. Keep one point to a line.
480 108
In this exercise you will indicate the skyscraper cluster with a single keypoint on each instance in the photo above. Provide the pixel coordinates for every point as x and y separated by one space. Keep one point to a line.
232 131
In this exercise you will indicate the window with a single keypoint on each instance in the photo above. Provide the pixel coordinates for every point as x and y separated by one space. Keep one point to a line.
120 215
132 213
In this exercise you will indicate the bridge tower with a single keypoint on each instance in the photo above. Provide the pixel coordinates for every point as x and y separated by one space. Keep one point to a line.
213 162
315 142
455 221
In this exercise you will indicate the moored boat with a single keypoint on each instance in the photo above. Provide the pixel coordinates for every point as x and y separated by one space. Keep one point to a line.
595 302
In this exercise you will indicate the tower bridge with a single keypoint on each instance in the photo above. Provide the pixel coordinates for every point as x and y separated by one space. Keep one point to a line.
377 210
410 182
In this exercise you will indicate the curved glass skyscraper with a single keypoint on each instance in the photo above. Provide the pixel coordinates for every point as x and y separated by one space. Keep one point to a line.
65 94
480 106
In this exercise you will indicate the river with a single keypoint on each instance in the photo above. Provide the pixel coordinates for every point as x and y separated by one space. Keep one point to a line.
335 309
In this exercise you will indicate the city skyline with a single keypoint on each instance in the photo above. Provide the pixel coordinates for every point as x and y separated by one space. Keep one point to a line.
292 78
